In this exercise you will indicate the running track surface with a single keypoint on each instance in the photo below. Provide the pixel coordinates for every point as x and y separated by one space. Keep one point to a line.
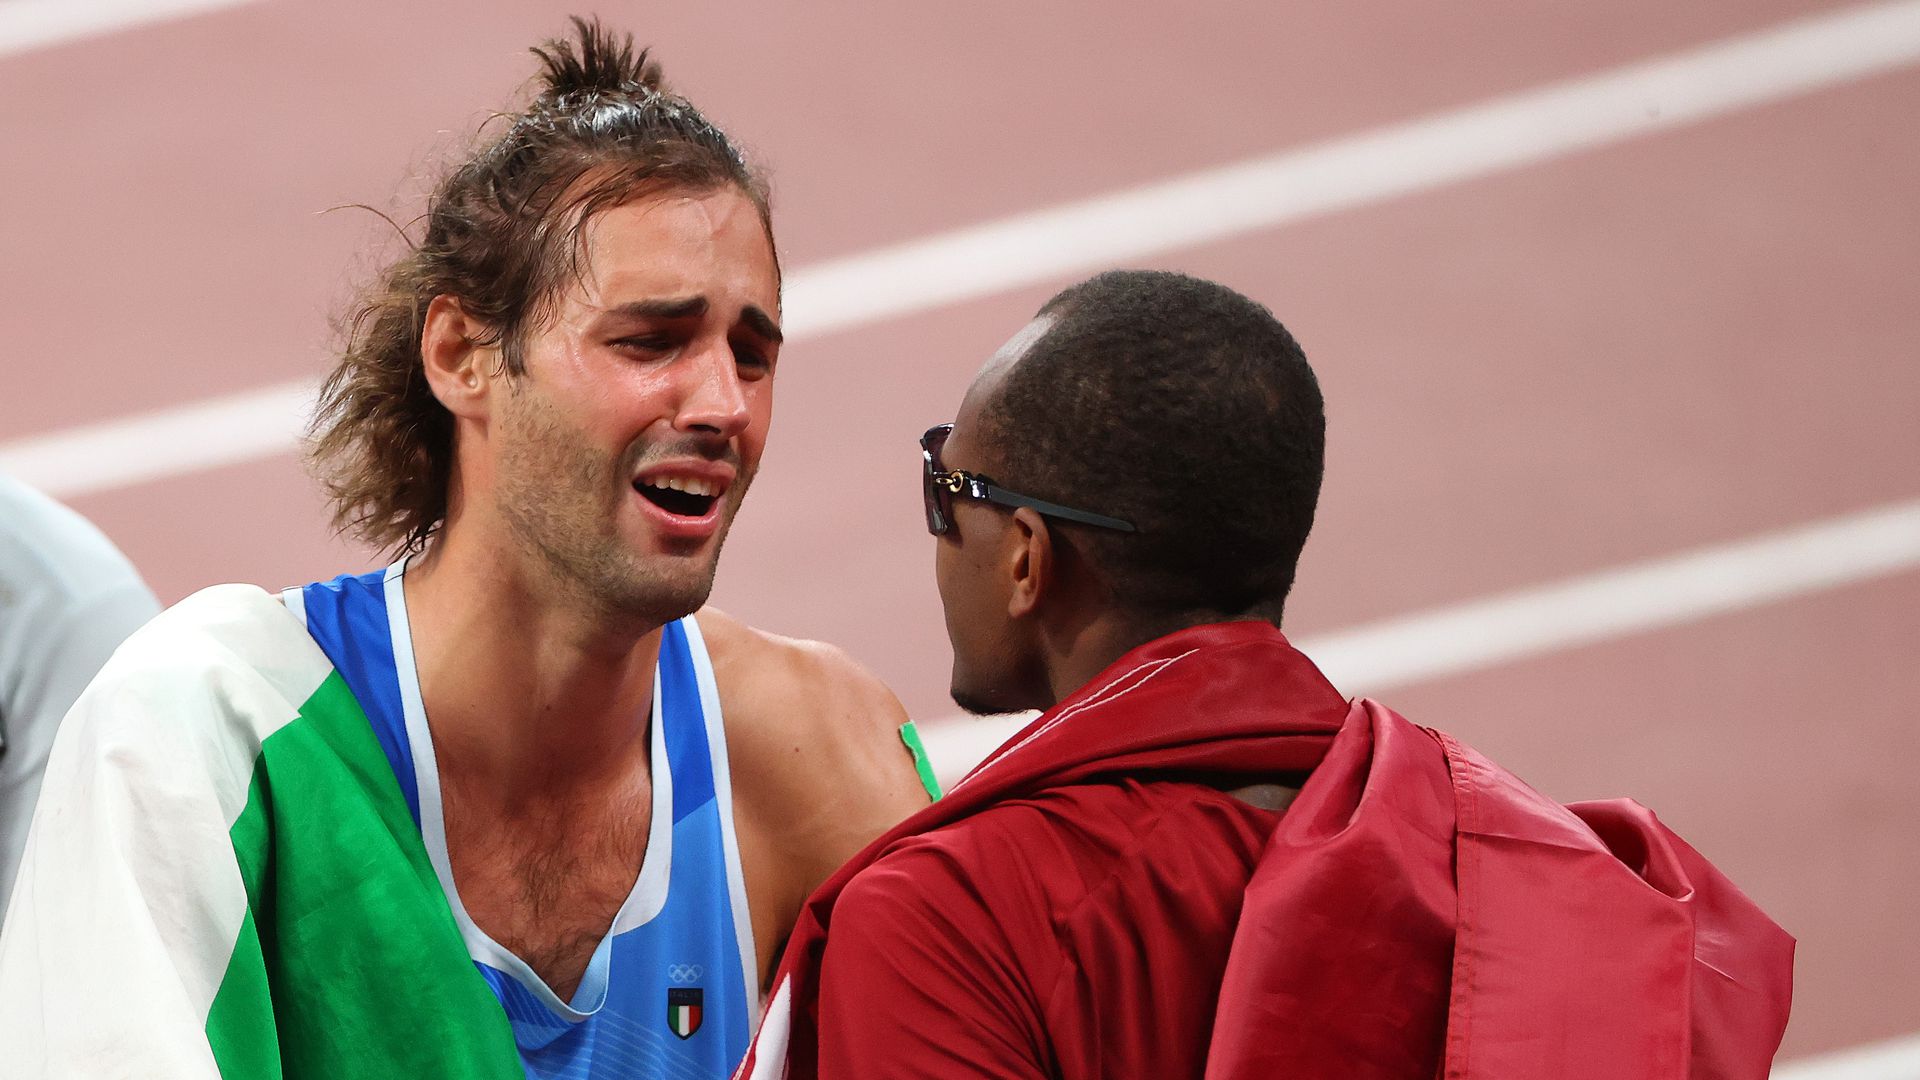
1665 343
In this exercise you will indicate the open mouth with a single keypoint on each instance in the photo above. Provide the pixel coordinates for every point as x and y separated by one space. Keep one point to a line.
683 497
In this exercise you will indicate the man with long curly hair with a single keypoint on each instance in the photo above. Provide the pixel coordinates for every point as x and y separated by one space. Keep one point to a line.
519 804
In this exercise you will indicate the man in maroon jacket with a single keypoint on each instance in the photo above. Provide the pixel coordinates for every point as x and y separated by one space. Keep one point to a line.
1201 859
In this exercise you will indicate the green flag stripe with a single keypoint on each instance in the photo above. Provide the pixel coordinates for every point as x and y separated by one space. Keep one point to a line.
240 1025
349 963
923 765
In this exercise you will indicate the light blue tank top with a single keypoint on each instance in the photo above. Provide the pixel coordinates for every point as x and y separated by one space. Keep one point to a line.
669 992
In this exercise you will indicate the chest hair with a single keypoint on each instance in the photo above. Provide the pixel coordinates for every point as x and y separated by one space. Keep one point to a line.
546 883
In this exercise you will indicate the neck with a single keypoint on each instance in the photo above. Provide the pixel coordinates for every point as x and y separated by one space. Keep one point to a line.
528 693
1075 651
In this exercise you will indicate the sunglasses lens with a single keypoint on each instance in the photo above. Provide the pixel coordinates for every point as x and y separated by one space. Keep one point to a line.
934 495
936 521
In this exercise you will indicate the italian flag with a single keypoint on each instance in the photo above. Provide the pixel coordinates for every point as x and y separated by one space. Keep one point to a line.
223 878
683 1012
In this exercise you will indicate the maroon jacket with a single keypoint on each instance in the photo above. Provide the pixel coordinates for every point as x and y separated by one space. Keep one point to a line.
1090 903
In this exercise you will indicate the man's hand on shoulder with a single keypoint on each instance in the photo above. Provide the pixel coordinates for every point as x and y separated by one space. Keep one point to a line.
818 766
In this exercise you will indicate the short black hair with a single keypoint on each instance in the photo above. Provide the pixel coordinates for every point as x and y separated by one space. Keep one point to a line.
1185 408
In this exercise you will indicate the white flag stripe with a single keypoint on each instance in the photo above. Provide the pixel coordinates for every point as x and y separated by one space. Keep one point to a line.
1024 249
130 894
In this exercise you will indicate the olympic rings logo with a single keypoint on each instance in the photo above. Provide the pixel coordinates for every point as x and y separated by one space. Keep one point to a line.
684 973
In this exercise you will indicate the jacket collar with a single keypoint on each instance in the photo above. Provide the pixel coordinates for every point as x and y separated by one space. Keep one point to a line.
1219 698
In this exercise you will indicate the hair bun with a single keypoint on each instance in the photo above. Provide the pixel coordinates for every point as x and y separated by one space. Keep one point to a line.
597 61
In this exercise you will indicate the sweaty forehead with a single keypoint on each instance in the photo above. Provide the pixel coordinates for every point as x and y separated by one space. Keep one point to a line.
680 244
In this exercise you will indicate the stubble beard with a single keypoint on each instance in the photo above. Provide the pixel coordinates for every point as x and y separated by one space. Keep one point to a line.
980 696
563 503
997 676
977 705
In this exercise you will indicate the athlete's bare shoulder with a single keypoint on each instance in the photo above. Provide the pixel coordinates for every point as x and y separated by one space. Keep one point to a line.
758 662
809 716
818 766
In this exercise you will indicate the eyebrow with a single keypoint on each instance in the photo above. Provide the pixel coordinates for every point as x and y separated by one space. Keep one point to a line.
761 323
693 307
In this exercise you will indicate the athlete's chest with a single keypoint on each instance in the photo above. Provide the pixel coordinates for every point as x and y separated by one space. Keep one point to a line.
548 885
618 923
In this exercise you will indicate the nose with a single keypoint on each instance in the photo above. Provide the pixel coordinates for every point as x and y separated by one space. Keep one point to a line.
716 401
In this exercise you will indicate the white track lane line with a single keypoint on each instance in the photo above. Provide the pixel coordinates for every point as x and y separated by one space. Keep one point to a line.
1895 1059
1590 608
1356 170
164 443
1618 602
35 24
1505 133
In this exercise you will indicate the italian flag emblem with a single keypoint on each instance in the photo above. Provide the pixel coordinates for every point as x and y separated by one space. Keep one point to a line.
683 1010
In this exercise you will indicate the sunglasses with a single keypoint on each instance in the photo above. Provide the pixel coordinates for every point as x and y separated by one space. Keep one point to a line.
940 485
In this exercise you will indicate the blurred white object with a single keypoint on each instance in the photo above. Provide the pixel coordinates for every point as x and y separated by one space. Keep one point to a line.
1895 1059
68 598
955 744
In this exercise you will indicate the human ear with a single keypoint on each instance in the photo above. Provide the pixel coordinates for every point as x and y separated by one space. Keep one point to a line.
1029 562
454 361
